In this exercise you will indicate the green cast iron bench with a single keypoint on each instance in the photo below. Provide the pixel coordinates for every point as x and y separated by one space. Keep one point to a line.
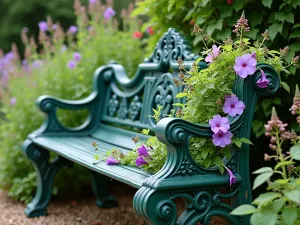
119 108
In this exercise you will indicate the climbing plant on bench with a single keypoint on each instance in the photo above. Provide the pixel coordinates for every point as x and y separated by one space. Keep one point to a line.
209 99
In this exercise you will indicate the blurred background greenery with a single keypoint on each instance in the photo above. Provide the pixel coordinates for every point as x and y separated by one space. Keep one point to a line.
17 14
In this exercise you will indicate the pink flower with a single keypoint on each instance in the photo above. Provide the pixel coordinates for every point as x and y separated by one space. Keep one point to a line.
143 151
222 139
232 178
77 56
245 65
72 64
137 34
140 161
263 81
218 123
150 30
233 106
211 56
111 161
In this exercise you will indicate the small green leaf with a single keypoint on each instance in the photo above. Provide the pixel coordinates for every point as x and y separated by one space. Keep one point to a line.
289 215
178 104
282 181
146 131
96 157
181 95
285 86
274 29
244 210
246 141
295 34
262 178
263 170
267 3
237 142
264 217
295 152
265 198
284 163
277 204
294 196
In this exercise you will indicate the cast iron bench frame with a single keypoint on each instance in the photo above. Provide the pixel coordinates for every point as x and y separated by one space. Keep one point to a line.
110 103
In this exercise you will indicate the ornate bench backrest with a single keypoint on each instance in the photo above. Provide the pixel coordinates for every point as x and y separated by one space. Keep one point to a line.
129 103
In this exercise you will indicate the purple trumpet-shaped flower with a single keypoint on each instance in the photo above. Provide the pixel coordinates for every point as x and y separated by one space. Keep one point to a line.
109 13
211 56
222 139
233 106
263 81
143 151
111 161
218 123
140 161
73 29
245 65
43 26
77 56
232 178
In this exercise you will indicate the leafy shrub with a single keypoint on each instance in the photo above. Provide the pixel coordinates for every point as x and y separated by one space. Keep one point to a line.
56 70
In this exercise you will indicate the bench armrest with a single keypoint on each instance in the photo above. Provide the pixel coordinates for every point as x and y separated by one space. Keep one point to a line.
51 125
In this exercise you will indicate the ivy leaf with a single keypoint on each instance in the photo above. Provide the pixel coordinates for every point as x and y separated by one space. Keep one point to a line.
224 33
225 11
262 178
244 210
295 34
252 33
295 152
294 196
267 3
238 5
216 26
296 25
274 29
289 215
285 86
265 198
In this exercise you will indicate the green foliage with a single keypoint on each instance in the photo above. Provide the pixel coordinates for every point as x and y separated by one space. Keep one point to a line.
282 204
217 17
97 46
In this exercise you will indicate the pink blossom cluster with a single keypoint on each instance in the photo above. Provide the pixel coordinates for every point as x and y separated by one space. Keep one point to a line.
295 109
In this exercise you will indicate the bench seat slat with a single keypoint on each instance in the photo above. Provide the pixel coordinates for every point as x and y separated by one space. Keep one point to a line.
77 150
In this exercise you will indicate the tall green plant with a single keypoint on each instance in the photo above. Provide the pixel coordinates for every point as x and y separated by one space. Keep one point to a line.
64 68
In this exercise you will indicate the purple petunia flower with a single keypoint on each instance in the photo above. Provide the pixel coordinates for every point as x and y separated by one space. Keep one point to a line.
111 161
143 151
140 161
211 56
245 65
109 13
72 64
77 56
222 139
13 101
92 2
218 123
232 178
9 56
263 81
73 29
233 106
43 26
253 55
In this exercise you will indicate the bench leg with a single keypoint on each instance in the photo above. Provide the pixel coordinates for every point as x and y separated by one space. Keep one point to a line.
201 207
99 185
45 175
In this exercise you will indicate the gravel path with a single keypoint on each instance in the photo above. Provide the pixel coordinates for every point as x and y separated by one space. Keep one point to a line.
81 210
